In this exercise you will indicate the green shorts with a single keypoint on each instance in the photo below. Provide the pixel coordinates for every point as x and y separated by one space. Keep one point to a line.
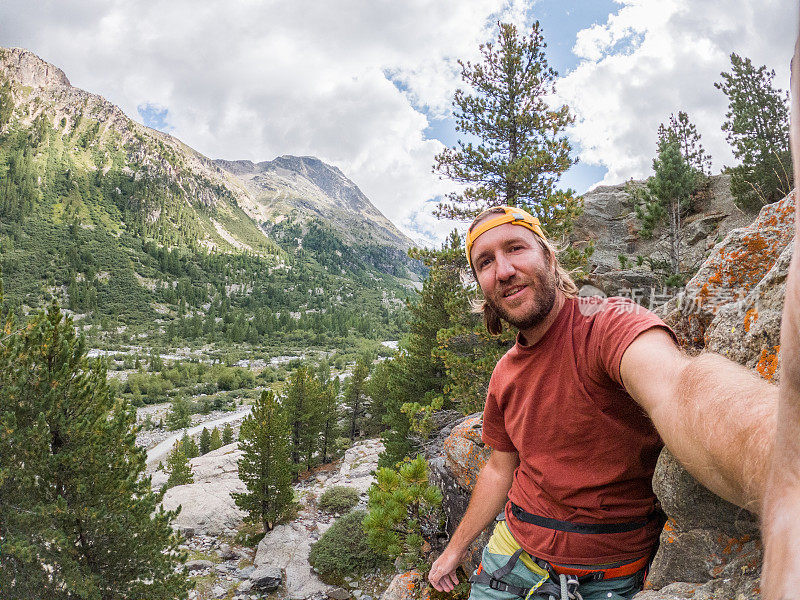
619 588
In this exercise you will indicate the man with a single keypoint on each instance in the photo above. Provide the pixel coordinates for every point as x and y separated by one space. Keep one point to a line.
575 459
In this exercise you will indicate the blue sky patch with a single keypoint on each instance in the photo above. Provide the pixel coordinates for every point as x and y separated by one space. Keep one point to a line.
155 116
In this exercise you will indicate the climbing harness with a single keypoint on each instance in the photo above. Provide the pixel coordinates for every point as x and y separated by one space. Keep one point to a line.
589 528
569 577
566 589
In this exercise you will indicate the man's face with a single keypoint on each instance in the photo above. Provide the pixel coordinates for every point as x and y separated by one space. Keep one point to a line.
517 279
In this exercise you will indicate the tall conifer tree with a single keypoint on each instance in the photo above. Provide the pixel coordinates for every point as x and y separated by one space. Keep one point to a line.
355 397
77 517
303 409
264 467
757 126
521 148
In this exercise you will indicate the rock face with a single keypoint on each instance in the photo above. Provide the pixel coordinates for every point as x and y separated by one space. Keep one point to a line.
610 222
206 504
308 185
32 71
732 305
455 470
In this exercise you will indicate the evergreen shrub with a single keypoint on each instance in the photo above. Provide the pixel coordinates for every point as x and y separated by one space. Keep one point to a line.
338 499
343 551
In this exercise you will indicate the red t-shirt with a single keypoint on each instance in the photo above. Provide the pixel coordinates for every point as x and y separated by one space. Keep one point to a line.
587 450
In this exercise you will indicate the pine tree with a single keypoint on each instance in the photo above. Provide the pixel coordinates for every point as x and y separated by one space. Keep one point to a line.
189 447
79 519
355 396
227 435
216 440
303 402
400 501
757 127
521 150
667 195
205 441
264 467
179 415
683 132
178 468
329 410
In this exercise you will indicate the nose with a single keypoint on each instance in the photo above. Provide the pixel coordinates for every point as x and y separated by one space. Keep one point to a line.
504 268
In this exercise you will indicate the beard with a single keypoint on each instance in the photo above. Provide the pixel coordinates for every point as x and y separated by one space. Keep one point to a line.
544 286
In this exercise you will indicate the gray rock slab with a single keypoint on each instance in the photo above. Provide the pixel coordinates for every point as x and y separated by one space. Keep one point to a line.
266 578
198 565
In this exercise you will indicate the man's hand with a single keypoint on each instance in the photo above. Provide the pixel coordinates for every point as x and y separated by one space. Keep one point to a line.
443 571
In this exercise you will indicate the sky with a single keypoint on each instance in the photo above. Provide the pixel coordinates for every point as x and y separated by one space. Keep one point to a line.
367 85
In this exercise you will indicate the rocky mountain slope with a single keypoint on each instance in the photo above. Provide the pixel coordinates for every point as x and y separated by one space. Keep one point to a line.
310 188
132 230
246 200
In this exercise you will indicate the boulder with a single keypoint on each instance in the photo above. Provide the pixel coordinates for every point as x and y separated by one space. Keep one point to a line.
405 586
227 553
338 594
198 565
357 468
266 578
287 547
454 470
465 453
206 505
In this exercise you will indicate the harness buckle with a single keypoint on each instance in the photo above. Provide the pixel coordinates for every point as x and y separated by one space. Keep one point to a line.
496 584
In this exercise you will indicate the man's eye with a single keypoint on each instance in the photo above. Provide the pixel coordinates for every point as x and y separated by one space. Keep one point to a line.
484 263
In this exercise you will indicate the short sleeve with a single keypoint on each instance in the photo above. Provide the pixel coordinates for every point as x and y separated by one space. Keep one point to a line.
494 432
616 324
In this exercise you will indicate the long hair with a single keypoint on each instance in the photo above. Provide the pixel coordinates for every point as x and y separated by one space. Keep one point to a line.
564 283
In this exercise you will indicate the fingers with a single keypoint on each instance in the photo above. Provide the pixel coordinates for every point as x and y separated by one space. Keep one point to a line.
445 583
442 578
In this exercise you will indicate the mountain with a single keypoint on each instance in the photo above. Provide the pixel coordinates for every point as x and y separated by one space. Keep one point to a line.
127 225
268 192
313 189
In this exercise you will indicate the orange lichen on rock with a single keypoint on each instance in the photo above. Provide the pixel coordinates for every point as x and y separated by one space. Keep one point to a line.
464 451
750 317
735 545
669 528
767 364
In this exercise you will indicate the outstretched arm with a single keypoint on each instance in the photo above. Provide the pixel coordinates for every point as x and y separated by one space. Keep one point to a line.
715 416
780 578
488 499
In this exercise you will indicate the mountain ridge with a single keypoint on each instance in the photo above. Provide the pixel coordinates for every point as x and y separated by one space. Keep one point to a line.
288 187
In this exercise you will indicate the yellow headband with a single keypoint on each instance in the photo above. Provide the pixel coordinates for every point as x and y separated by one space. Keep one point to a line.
515 216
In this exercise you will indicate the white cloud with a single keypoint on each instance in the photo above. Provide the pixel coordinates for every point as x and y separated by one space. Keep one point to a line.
254 80
654 57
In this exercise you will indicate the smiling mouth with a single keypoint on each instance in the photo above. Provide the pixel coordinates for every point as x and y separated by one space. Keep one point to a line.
514 291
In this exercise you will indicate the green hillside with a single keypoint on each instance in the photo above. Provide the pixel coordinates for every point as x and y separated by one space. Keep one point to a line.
120 225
